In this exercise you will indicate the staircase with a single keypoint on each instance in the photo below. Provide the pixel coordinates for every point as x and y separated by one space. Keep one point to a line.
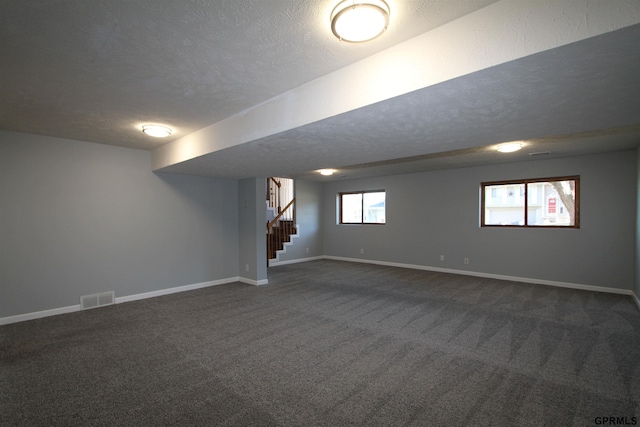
281 226
278 236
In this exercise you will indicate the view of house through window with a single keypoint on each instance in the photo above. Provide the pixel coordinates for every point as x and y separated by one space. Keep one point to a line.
547 202
364 207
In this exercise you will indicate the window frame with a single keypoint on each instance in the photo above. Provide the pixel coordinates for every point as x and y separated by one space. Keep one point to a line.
526 182
340 222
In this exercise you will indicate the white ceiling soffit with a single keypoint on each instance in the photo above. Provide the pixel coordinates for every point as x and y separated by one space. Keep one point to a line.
589 107
512 70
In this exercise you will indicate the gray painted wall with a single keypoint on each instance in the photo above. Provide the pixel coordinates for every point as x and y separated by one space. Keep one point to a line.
308 216
437 213
80 218
252 218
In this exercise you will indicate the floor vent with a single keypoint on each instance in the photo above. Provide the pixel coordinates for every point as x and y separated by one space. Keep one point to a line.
97 300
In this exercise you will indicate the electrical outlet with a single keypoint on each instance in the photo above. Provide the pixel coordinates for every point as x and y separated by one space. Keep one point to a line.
246 267
361 251
466 260
307 250
441 257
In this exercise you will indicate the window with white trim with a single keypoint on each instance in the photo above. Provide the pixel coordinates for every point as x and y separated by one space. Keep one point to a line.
362 207
543 202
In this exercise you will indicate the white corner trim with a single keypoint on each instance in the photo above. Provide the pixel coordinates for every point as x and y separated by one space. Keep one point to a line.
295 261
493 276
253 282
118 300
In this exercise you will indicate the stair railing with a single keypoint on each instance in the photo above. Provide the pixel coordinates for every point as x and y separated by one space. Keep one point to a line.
280 229
273 193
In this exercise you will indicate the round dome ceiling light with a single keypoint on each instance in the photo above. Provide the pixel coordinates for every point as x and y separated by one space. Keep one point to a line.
509 147
156 131
359 21
327 172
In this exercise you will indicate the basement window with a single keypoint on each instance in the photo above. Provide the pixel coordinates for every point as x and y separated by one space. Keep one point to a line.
362 207
536 203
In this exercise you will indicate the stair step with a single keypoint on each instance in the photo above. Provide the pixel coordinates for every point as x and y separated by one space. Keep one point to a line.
280 235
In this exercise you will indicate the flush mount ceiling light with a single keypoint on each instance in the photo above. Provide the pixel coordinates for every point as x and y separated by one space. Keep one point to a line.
358 21
326 172
509 147
156 131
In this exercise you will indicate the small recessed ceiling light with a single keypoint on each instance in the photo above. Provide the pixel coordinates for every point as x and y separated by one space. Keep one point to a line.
509 147
156 131
359 20
327 172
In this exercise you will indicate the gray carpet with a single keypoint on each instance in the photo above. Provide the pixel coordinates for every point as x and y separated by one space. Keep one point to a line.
331 343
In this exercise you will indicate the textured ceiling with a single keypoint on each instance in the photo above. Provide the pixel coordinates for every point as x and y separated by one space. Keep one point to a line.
96 70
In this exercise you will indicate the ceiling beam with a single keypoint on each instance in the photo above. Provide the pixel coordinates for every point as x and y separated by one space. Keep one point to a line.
499 33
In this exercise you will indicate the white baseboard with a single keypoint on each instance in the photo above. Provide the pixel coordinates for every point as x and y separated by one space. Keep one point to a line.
38 314
253 282
118 300
145 295
295 261
492 276
177 289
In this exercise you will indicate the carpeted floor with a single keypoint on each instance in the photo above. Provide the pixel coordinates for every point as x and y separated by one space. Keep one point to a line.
332 343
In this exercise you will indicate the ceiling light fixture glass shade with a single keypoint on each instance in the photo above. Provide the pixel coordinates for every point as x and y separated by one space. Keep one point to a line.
156 131
358 21
509 147
326 172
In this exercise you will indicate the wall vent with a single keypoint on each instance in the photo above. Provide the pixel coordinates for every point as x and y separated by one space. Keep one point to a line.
97 300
